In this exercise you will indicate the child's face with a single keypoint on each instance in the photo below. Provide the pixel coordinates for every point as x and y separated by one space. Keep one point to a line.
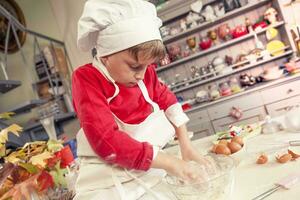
125 69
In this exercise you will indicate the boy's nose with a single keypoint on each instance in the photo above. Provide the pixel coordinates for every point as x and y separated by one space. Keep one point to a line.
140 75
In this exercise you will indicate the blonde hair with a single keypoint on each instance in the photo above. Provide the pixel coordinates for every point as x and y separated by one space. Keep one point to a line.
148 50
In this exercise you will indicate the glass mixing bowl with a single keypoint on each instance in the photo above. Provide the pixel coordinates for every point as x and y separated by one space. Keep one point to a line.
218 187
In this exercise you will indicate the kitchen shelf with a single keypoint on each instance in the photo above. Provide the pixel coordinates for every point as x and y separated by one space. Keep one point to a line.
175 8
59 118
27 106
206 25
218 47
257 87
247 67
45 79
7 85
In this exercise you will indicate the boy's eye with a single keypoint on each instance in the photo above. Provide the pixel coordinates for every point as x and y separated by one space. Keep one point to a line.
136 68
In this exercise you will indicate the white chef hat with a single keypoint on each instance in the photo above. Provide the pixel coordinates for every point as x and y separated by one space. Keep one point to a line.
115 25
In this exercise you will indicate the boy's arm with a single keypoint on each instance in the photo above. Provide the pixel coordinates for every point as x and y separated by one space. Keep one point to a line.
167 101
100 128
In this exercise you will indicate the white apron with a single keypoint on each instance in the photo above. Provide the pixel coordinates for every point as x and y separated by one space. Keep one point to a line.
100 181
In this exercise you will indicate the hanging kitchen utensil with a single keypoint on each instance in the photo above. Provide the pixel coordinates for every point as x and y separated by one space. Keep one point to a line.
258 43
49 126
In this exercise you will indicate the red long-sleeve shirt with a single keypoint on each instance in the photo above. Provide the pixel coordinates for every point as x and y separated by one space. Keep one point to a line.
90 91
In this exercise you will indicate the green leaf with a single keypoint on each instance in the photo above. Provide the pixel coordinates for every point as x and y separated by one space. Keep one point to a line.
29 167
2 150
40 159
58 176
54 145
6 115
14 128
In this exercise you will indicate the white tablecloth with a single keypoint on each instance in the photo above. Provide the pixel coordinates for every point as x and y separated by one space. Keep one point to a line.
252 179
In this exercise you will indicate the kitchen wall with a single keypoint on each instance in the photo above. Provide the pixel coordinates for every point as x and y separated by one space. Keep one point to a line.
67 14
39 17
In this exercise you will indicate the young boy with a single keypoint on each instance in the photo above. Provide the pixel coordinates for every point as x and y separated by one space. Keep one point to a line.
126 114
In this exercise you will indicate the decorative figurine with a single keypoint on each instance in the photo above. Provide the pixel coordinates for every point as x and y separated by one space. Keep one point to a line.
248 25
224 32
193 19
271 15
212 34
174 52
260 25
239 31
194 72
165 61
191 42
247 80
209 14
229 60
205 43
203 71
165 31
210 69
236 113
183 24
174 30
186 52
197 6
219 64
219 10
202 96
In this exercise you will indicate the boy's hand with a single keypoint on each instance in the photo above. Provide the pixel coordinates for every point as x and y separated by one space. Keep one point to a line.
183 170
191 154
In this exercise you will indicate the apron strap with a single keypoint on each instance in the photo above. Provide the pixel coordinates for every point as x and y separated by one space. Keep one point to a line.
104 71
118 184
141 85
147 189
146 96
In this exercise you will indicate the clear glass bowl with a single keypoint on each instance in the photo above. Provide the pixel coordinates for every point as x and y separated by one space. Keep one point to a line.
219 186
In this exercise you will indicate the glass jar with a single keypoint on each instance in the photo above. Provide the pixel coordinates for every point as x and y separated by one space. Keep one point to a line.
234 85
213 92
225 89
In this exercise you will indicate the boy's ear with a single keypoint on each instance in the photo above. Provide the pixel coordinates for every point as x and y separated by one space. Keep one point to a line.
103 58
